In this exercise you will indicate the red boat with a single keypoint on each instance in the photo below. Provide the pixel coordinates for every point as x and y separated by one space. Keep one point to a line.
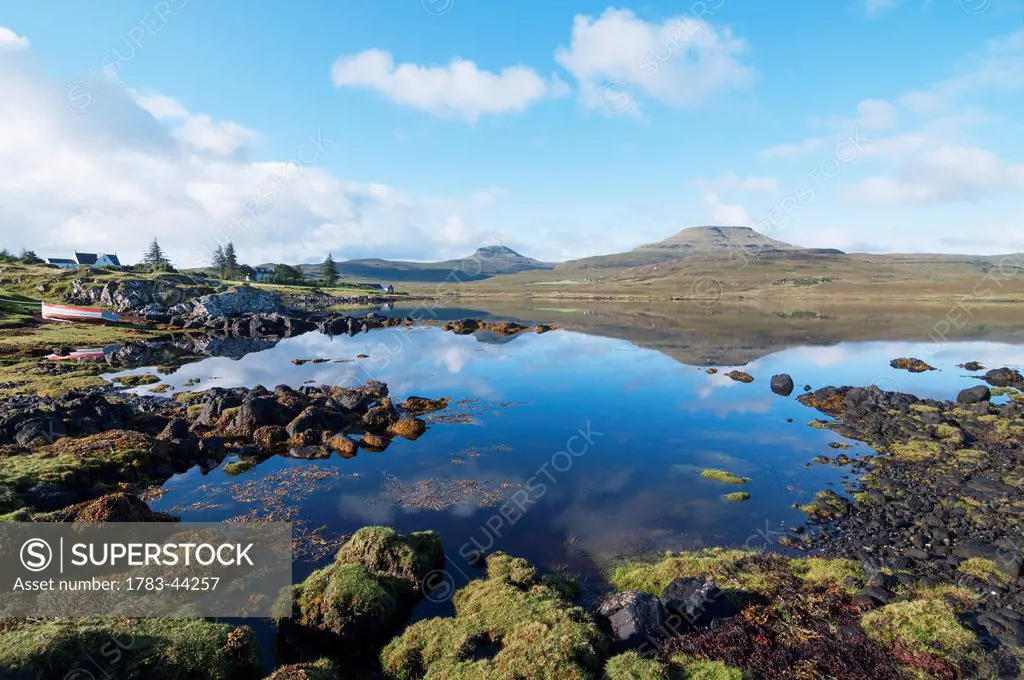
86 314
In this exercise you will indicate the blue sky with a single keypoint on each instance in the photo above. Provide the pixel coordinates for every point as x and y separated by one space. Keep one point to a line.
422 130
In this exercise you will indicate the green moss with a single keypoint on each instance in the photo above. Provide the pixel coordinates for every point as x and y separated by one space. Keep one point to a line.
723 476
822 571
238 467
703 669
383 550
156 649
924 408
136 380
1002 391
652 578
826 506
346 600
536 633
631 666
194 411
736 496
916 450
983 570
321 669
922 626
186 397
121 455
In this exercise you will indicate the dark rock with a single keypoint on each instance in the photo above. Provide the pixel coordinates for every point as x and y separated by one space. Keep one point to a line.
782 384
1003 377
176 429
974 395
311 418
633 618
46 497
971 366
698 601
1008 561
39 431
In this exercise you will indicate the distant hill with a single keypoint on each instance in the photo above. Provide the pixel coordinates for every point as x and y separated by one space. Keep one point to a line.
708 242
484 263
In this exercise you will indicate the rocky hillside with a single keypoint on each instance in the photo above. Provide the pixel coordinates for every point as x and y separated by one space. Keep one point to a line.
705 242
486 262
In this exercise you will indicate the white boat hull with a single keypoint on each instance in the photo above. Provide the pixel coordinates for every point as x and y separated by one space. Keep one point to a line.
83 314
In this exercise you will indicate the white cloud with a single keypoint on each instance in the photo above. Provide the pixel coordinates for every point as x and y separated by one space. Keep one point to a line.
114 177
942 175
458 90
10 41
682 62
876 114
795 150
726 215
199 131
730 181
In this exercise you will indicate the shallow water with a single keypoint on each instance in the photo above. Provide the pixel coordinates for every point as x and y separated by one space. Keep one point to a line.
568 449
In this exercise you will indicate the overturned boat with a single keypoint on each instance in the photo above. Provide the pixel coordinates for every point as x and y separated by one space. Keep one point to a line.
83 314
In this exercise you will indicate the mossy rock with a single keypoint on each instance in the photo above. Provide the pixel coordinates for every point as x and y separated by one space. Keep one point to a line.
136 380
238 467
155 649
723 476
925 627
366 593
321 669
507 626
383 550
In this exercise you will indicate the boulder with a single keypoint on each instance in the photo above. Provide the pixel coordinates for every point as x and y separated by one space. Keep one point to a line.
974 395
782 384
39 431
698 602
1003 377
238 302
311 419
633 618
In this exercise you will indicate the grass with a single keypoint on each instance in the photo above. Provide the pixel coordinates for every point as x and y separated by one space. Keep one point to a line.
924 627
654 577
321 669
509 625
631 666
114 455
983 570
723 476
846 574
704 669
157 649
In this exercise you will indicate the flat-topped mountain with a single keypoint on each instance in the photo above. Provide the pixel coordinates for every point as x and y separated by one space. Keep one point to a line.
486 262
710 242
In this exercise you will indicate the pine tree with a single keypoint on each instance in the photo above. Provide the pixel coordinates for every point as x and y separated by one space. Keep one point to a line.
155 259
219 262
28 256
230 260
328 272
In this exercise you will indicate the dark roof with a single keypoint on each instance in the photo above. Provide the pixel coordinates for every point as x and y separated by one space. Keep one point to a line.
60 260
90 258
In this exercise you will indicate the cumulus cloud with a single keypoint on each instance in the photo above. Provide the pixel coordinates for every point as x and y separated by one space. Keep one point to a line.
726 215
942 175
793 150
682 62
133 167
458 90
10 41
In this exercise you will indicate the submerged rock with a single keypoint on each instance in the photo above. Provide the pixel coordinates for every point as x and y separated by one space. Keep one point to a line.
971 366
1004 377
740 376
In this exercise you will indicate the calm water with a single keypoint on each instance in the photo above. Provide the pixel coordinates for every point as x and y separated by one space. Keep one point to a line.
642 427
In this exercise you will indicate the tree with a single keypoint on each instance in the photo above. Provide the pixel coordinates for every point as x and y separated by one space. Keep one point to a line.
219 262
230 260
5 256
246 272
286 274
154 259
329 273
28 256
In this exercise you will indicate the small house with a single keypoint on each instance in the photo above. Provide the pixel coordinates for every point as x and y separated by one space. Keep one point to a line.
263 274
97 259
61 263
387 288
